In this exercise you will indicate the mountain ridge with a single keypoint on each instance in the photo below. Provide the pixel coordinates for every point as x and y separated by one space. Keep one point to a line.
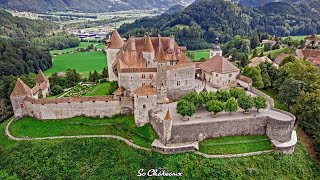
89 5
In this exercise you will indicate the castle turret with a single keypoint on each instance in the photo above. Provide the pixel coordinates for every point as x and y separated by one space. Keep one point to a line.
149 52
114 44
19 93
167 127
216 50
161 78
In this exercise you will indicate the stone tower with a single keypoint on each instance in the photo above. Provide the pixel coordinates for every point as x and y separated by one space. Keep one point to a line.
167 127
161 82
113 46
216 50
148 52
19 93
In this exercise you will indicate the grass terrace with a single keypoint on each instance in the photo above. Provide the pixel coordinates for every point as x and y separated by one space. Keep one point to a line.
275 53
106 88
83 62
235 145
81 45
198 54
120 126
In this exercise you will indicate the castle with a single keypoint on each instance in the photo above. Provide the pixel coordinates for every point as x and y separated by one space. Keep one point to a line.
153 73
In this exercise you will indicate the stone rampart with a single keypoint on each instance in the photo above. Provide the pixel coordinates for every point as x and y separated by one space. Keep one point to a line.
105 106
157 124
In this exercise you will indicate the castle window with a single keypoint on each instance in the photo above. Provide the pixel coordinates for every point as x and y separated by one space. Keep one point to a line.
144 106
217 75
178 83
22 106
143 84
151 76
143 76
230 75
171 63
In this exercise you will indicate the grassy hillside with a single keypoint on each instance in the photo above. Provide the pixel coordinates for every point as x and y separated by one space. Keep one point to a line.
102 89
83 62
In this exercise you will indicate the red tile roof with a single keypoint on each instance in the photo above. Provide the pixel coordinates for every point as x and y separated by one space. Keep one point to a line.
119 91
218 64
41 78
148 45
20 89
116 42
147 90
313 37
244 78
168 116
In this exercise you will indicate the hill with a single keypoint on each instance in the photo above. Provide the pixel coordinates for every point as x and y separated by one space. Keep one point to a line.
208 19
258 3
87 6
11 26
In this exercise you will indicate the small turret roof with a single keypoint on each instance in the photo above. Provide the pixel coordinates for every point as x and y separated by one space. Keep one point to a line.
148 46
116 42
20 89
168 116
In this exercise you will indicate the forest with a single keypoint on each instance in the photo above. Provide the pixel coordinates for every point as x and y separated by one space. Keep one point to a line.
206 20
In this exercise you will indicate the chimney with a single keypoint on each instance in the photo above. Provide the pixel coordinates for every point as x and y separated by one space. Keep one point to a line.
133 43
172 42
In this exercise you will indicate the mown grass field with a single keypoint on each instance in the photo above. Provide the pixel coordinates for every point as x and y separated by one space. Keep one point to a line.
112 159
83 62
235 145
121 126
102 89
198 54
300 37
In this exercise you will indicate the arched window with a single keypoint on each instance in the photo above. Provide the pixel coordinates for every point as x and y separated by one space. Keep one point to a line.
144 106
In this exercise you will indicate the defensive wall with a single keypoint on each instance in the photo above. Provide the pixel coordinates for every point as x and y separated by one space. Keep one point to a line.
104 106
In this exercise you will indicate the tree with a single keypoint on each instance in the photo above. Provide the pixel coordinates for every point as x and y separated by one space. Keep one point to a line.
237 92
254 41
72 77
287 60
56 90
255 74
194 98
290 90
223 95
246 103
231 105
105 73
186 108
215 106
260 102
207 96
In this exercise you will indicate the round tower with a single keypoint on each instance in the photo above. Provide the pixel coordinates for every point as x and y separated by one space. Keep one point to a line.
114 45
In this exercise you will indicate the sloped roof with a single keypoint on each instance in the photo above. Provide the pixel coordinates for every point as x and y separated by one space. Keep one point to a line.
244 79
313 37
257 60
147 90
167 116
148 45
116 42
218 64
41 78
20 89
119 91
280 58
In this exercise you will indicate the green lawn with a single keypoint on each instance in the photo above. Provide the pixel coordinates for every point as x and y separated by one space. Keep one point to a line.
235 145
300 37
273 94
111 159
121 126
83 62
81 45
102 89
198 54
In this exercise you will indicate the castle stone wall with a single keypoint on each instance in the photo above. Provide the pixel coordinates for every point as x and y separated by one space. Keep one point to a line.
180 82
72 109
158 125
131 81
142 105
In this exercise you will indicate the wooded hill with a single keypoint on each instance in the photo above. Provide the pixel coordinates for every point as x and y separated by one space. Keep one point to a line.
87 6
208 19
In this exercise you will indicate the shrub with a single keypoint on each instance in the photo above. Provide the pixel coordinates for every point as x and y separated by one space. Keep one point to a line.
237 92
223 95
